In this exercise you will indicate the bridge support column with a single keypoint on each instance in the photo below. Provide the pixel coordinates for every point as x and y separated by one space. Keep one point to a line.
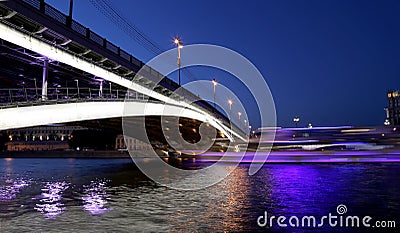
45 76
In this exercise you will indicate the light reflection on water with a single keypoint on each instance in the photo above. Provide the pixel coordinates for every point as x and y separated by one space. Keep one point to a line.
10 188
50 201
93 195
95 198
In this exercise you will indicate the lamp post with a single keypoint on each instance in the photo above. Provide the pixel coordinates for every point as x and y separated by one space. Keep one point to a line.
296 120
69 17
178 43
387 122
110 91
239 114
214 82
77 87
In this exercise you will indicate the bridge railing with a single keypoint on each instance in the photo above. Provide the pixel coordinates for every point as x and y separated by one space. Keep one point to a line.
28 96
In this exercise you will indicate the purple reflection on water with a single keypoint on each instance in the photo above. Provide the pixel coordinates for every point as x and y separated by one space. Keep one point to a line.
10 188
51 199
95 198
305 156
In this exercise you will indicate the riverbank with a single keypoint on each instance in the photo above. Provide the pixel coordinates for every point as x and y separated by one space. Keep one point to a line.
231 157
64 154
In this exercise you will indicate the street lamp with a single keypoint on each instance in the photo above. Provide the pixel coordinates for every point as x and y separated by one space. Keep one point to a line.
296 120
178 43
387 122
239 114
77 87
214 82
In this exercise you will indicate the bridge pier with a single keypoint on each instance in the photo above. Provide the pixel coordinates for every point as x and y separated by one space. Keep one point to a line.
45 77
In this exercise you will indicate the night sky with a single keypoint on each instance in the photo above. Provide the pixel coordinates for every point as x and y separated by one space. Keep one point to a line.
329 62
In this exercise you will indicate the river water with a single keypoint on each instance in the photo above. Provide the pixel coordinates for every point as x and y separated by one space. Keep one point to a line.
112 195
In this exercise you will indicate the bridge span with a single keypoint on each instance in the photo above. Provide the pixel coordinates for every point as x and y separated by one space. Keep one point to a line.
83 109
39 37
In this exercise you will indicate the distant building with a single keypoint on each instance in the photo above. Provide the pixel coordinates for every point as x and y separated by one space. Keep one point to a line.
40 138
36 145
131 144
393 108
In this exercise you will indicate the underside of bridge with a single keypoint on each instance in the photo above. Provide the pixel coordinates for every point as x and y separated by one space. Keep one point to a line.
21 67
22 71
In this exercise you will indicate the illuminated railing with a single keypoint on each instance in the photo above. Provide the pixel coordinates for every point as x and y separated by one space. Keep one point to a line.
33 96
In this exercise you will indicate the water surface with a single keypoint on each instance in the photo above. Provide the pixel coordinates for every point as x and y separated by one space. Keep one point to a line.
98 195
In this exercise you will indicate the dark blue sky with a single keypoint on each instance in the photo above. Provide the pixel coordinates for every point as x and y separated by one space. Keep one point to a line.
330 62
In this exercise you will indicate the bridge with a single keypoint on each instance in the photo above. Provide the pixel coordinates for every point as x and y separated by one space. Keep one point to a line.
81 75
